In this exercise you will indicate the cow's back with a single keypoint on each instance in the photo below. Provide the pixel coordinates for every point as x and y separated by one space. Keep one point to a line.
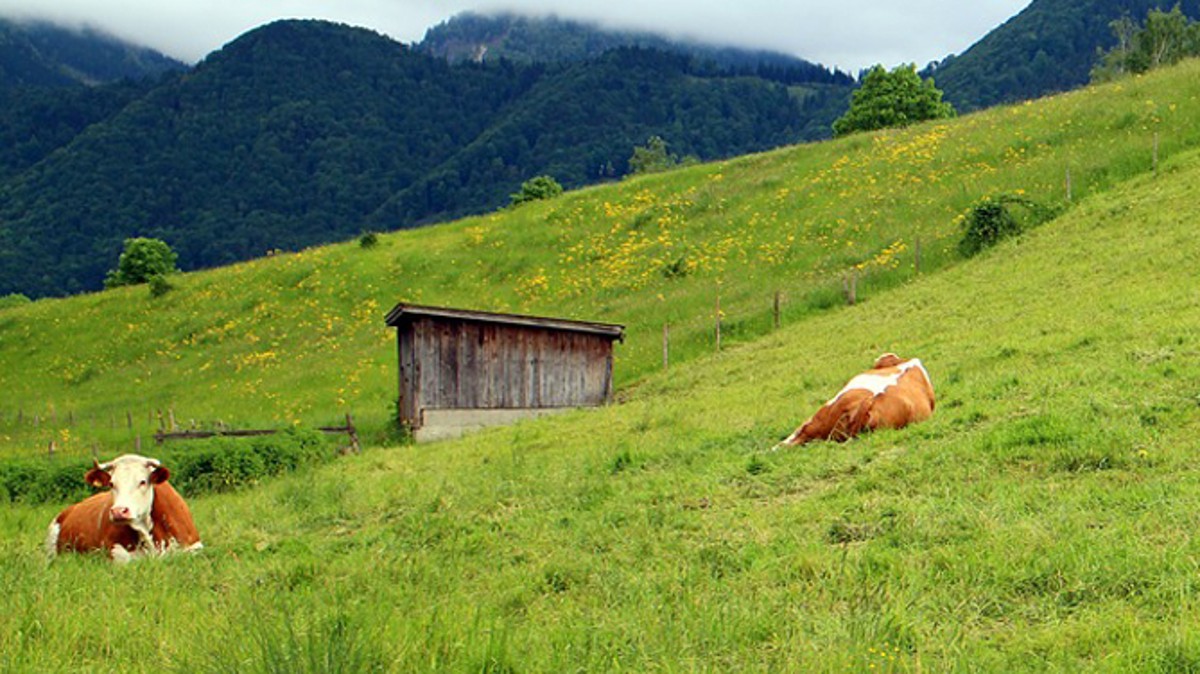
908 401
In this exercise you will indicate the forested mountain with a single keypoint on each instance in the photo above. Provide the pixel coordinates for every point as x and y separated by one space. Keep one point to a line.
580 124
42 54
479 37
303 132
1049 47
35 121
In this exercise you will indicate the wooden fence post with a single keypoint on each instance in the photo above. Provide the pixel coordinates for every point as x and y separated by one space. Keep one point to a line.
1068 184
353 433
718 318
666 345
776 309
850 287
1154 165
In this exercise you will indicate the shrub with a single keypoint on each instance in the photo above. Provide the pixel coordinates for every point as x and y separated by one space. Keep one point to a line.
537 189
991 220
368 240
159 285
13 300
220 464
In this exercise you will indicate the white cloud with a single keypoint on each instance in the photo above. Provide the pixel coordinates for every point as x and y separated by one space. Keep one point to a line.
850 34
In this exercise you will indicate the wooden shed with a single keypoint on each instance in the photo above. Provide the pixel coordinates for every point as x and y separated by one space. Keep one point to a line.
461 370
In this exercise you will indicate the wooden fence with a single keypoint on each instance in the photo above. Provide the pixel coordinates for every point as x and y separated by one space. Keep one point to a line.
349 429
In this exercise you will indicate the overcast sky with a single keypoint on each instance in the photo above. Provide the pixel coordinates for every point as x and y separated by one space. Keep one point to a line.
847 34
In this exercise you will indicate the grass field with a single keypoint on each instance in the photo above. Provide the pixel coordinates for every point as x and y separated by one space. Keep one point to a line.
299 338
1042 521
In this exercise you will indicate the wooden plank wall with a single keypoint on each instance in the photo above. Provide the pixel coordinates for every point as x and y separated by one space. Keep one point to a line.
472 365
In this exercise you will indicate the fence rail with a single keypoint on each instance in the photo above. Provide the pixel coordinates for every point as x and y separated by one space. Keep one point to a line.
349 429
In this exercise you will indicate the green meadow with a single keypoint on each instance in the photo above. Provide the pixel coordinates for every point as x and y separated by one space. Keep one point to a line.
1042 520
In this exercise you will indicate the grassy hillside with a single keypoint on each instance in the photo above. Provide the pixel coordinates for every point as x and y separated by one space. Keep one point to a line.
1043 520
299 338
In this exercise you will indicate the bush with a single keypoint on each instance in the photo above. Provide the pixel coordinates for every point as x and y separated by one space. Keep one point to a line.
142 260
368 240
537 189
991 220
13 300
216 465
159 285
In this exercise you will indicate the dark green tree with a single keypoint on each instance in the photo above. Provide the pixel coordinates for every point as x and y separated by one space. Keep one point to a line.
886 100
142 260
536 189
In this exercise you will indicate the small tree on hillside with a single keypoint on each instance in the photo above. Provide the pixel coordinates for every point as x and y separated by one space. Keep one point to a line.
142 259
898 98
652 157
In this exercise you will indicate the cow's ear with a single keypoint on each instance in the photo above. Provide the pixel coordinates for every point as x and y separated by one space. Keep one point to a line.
160 475
97 476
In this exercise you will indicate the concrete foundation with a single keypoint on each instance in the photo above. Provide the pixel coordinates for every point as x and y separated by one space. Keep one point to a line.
446 424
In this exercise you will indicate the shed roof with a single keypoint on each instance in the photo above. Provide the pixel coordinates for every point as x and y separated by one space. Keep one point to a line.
402 313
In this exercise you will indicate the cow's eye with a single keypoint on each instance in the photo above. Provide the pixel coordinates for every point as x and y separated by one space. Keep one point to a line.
142 483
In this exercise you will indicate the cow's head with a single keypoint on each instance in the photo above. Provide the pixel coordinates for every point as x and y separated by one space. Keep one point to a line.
132 479
887 360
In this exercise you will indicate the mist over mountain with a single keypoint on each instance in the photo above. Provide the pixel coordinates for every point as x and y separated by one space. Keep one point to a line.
472 36
36 53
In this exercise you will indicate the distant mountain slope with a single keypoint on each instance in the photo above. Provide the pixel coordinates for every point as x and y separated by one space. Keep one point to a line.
36 121
1049 47
304 132
476 37
580 124
43 54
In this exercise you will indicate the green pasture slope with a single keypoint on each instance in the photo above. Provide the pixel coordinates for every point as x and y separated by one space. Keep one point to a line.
299 338
1043 520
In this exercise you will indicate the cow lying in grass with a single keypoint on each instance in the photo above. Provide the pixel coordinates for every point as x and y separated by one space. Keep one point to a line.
140 514
894 393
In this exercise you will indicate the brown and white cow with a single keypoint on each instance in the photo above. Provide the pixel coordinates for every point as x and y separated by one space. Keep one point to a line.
141 513
893 394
